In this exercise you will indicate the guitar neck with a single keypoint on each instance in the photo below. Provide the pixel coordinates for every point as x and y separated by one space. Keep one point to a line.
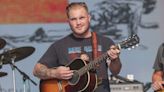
93 64
130 42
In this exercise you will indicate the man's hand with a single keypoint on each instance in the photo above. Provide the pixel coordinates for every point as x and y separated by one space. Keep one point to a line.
43 72
61 72
158 85
113 52
115 64
157 80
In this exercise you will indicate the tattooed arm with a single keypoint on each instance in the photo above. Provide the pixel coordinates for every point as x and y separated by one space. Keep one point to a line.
43 72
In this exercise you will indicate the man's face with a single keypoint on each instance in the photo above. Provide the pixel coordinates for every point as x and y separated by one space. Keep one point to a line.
79 20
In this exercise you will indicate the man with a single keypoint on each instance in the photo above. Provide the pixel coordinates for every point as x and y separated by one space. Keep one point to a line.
70 47
157 77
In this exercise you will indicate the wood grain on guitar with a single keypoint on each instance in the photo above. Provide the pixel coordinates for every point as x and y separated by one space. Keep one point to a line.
160 91
83 79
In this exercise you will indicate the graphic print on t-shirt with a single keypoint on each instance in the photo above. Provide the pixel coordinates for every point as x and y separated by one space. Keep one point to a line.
75 52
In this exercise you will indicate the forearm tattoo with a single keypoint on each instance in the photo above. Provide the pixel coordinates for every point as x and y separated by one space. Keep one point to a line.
43 72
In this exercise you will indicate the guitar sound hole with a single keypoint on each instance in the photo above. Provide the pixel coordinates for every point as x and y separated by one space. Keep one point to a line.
75 78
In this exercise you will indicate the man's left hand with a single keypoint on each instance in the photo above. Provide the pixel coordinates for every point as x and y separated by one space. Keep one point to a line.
113 52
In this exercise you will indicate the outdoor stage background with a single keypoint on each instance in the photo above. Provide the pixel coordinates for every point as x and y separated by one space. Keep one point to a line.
45 23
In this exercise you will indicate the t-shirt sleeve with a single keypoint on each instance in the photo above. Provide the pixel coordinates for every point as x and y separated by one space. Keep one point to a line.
158 60
107 42
50 57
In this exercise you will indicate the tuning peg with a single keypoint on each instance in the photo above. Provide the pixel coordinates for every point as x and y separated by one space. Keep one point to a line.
137 45
133 47
129 48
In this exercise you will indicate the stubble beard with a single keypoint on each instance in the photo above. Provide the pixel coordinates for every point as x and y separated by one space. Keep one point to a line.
84 34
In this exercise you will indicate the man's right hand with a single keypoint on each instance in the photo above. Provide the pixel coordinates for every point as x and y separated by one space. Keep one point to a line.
43 72
61 72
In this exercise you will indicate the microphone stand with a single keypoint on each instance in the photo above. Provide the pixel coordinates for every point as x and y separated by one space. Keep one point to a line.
12 63
25 76
1 62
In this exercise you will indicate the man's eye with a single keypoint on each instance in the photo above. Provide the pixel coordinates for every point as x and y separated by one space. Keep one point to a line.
82 17
72 19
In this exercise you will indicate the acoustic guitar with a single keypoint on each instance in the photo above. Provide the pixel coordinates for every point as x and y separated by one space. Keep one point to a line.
83 80
159 91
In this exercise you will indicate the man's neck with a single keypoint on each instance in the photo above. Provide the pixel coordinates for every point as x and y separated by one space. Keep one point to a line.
85 35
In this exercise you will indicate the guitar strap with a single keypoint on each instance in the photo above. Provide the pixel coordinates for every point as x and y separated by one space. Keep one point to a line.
94 46
95 53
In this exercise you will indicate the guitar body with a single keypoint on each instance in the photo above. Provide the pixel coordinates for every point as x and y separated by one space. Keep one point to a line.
86 82
160 91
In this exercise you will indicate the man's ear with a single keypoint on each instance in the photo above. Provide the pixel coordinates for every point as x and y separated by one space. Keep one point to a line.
89 16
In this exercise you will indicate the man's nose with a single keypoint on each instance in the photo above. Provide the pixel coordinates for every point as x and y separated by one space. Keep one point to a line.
78 21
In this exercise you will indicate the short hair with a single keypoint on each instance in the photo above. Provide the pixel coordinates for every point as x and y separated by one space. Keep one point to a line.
75 4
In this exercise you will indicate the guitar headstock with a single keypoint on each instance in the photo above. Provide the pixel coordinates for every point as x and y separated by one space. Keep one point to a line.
131 42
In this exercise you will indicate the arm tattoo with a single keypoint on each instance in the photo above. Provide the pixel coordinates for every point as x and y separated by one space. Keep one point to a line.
43 72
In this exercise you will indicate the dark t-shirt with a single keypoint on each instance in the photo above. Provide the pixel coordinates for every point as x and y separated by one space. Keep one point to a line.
159 61
67 49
